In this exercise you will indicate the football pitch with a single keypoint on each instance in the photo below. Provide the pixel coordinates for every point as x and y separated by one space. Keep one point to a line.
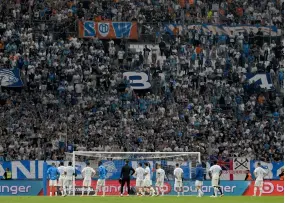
135 199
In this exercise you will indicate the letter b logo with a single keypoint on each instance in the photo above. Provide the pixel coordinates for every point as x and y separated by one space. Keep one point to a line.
138 80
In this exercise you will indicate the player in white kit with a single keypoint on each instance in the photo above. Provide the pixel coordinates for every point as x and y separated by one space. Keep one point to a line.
69 175
259 174
61 179
147 183
178 184
160 174
215 172
139 173
88 173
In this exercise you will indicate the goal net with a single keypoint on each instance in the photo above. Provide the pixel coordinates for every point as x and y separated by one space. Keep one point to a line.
114 161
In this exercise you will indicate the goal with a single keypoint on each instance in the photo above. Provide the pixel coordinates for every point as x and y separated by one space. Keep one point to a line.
114 161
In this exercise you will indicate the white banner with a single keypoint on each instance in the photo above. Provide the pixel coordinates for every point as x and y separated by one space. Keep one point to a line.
240 167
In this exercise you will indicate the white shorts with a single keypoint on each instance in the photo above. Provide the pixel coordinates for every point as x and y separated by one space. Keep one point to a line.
53 183
198 183
139 183
159 184
60 182
258 183
147 183
100 182
68 183
86 183
215 181
178 183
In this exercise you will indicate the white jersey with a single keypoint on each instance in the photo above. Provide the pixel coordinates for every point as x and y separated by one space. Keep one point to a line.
69 172
140 173
61 170
260 173
178 173
147 173
160 173
88 171
215 170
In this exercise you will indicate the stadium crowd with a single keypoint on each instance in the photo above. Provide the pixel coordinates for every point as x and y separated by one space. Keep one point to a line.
75 94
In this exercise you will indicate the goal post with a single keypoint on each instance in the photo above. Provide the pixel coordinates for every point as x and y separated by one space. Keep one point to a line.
114 161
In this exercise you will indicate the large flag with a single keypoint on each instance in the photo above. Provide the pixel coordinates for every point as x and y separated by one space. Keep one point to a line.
10 78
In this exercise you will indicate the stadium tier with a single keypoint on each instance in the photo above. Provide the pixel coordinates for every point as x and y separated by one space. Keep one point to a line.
149 81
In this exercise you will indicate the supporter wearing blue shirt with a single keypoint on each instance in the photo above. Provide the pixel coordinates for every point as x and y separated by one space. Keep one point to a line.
199 179
275 115
101 180
53 173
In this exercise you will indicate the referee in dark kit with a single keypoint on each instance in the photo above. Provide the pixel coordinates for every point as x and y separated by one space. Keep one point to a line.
126 174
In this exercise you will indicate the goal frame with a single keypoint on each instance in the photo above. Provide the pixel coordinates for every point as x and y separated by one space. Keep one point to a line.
102 152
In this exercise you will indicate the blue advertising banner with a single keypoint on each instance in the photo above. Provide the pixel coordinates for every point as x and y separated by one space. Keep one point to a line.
224 30
20 188
273 168
10 78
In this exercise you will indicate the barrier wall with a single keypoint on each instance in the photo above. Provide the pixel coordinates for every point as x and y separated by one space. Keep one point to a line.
232 170
230 188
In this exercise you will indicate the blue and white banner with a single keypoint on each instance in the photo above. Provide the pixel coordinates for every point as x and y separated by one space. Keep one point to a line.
225 30
34 169
262 79
274 168
10 78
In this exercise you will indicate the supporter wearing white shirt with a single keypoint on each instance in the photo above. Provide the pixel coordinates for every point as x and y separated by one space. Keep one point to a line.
112 50
259 174
240 39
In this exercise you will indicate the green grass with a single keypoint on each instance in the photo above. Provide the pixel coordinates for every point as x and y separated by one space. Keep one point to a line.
134 199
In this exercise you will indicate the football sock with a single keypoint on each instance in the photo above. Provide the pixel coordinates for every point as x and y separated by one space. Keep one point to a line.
103 188
216 191
220 189
260 190
255 189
